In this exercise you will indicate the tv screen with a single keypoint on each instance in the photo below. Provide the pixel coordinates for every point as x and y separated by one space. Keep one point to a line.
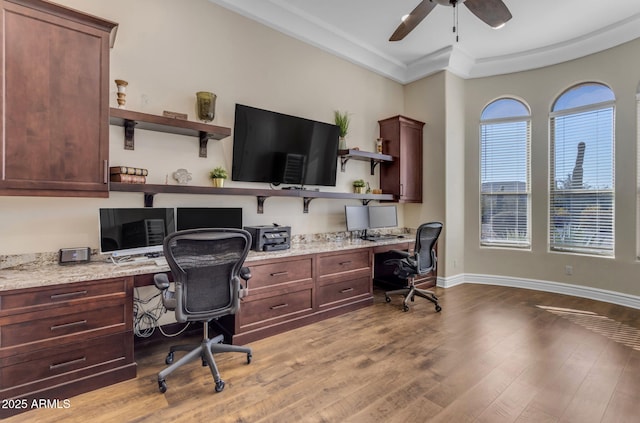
208 217
134 231
277 148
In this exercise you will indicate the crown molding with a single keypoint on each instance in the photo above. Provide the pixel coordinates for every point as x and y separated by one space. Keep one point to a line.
306 28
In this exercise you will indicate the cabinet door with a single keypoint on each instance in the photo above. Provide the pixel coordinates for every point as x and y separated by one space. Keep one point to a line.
55 113
402 177
410 163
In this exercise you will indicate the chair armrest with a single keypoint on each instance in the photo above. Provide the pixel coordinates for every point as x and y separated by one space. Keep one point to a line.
245 273
161 280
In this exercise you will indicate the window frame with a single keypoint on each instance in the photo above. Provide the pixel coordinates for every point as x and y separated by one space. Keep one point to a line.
555 192
491 242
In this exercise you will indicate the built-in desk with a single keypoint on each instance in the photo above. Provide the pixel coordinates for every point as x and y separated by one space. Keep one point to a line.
65 330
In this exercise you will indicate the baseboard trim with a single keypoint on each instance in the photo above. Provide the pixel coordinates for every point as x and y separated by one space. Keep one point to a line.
604 295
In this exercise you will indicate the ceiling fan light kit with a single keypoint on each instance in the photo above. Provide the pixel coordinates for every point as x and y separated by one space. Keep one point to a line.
492 12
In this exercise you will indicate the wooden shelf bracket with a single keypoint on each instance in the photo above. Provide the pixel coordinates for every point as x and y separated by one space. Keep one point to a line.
129 130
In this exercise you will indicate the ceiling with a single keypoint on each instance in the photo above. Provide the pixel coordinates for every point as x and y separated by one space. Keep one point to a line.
541 33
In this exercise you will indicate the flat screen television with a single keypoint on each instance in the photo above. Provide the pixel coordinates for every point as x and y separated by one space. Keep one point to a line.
134 231
208 217
277 148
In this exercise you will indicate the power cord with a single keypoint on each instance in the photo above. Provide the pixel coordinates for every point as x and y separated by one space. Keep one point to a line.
146 313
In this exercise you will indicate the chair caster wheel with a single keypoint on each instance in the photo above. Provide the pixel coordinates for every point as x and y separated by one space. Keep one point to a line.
249 357
169 359
162 386
405 308
438 309
219 385
387 299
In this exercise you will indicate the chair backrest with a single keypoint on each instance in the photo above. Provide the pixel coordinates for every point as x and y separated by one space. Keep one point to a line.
206 264
426 239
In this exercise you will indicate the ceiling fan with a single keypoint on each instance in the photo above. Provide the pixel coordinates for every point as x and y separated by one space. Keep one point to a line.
492 12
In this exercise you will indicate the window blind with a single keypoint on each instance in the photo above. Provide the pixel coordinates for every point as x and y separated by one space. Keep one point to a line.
581 206
505 182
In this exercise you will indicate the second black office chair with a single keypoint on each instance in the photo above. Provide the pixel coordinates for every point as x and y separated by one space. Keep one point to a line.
409 265
207 265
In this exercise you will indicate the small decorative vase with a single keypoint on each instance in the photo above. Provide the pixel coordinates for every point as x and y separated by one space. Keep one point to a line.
205 106
359 190
217 182
342 144
122 87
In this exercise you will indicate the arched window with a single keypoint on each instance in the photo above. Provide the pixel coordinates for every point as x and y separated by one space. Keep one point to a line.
581 201
505 195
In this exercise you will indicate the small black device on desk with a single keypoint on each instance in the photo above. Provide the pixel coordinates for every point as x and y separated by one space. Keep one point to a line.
269 237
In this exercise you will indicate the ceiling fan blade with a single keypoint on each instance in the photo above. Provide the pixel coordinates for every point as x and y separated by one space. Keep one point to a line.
492 12
415 17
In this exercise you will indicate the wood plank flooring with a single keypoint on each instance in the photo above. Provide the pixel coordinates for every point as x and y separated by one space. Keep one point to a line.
491 355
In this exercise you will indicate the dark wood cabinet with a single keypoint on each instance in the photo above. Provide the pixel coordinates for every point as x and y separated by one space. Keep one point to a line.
55 114
402 139
61 340
286 293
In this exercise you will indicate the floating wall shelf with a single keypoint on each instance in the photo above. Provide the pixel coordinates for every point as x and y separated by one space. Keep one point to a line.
151 190
374 158
136 120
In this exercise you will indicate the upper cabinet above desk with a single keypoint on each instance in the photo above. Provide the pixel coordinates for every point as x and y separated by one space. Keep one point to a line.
55 112
402 139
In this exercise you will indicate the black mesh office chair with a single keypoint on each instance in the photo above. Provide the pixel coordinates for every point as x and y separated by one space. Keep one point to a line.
423 260
207 265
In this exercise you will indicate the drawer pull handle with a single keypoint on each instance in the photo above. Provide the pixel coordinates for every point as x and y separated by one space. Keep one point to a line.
67 363
55 297
68 325
279 273
275 307
346 290
345 263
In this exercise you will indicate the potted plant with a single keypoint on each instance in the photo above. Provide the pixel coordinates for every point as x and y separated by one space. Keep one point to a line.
217 176
342 121
358 186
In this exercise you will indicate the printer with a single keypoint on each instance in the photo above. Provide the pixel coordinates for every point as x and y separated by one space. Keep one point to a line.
269 237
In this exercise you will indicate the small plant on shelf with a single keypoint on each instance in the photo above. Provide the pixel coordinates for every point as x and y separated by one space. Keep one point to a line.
217 176
342 121
358 186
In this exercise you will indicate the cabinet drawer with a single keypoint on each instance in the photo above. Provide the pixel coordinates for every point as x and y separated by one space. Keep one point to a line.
336 263
33 327
274 307
54 362
263 275
61 293
344 290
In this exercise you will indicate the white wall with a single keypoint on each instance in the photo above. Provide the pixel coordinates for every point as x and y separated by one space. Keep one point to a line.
619 68
167 50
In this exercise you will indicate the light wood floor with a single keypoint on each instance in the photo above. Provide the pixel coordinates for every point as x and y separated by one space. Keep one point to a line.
491 356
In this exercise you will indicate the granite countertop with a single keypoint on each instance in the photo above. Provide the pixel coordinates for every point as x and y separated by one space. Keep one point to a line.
37 273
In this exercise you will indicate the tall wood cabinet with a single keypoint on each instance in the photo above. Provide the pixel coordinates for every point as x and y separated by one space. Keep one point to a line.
55 114
402 139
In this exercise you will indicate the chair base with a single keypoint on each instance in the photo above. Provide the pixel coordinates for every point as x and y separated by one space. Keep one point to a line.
410 293
205 351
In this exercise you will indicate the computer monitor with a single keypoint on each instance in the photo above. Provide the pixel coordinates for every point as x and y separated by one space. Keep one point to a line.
383 217
208 217
128 232
357 218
